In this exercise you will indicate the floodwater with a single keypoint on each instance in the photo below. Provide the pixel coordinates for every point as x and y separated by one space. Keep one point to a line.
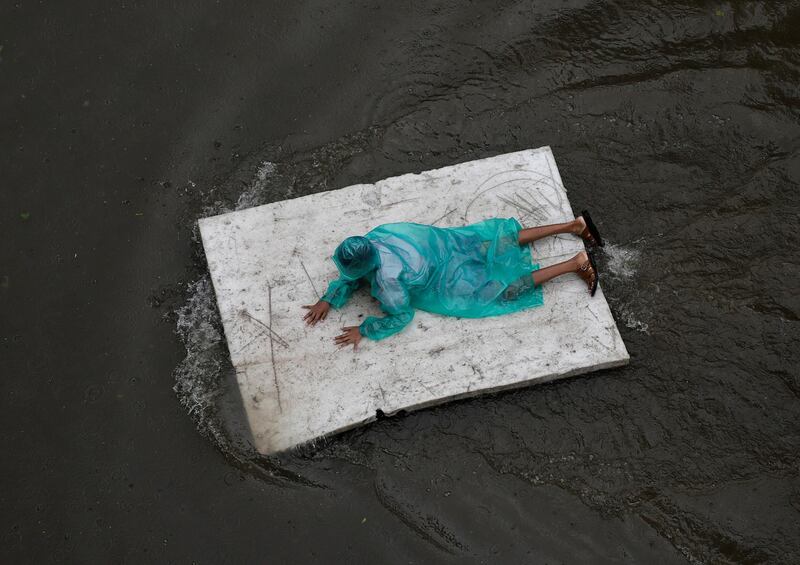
677 124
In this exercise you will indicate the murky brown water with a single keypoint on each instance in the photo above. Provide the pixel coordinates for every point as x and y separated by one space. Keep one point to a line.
678 126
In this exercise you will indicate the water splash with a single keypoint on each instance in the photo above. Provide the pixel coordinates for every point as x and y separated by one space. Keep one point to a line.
198 376
255 194
204 378
622 261
621 268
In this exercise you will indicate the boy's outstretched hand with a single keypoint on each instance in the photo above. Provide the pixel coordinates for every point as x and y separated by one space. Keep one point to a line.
316 312
351 335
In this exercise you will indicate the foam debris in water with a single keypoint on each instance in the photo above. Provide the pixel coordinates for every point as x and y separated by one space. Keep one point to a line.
296 385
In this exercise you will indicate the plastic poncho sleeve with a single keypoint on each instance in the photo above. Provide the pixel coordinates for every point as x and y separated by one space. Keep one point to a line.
396 302
339 292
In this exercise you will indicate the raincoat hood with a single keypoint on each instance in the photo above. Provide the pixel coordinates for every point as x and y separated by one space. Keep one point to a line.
355 257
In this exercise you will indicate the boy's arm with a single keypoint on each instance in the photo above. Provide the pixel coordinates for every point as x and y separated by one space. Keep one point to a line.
396 302
339 292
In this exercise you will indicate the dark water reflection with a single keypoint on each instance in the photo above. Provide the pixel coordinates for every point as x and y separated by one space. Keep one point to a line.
676 124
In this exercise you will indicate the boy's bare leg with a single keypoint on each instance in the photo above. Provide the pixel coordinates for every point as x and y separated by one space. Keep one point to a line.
576 226
579 264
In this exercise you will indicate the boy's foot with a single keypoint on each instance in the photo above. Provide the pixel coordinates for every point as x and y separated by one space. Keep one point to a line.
583 231
587 270
587 230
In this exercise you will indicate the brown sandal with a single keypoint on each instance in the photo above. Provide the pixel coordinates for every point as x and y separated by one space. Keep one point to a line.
588 272
590 232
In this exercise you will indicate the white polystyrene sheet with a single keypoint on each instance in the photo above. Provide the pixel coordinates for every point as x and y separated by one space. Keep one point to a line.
296 385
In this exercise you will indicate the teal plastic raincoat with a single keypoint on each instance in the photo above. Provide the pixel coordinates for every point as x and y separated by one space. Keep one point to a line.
471 271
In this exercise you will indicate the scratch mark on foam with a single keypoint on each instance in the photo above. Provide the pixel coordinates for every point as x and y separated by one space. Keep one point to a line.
272 332
272 352
589 308
314 288
248 344
442 217
390 204
601 344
